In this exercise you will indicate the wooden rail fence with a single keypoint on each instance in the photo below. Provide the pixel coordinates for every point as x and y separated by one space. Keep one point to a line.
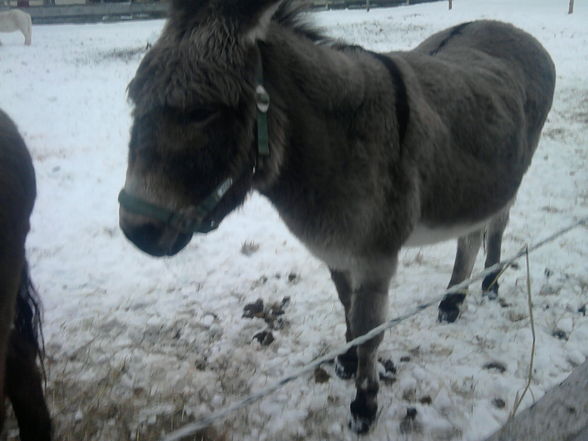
117 11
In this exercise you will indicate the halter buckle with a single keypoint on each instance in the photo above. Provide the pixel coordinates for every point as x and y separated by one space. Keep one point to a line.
262 98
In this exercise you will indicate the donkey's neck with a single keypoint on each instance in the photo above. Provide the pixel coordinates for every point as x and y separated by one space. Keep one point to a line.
313 89
303 72
333 127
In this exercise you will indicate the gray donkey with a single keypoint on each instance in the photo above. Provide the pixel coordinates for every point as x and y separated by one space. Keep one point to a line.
361 153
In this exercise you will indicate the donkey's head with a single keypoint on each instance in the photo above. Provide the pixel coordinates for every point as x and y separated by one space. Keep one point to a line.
197 103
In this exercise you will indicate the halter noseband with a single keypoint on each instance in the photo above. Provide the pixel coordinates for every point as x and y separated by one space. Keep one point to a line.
192 219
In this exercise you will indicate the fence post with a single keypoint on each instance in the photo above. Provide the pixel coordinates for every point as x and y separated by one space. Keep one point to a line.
560 414
450 4
571 9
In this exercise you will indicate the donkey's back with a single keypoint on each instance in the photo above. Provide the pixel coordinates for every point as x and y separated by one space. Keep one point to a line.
482 91
506 53
16 20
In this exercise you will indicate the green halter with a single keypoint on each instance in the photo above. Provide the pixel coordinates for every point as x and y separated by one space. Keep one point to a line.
192 219
188 220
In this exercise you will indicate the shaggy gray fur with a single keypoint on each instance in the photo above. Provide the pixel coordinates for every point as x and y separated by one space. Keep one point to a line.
343 177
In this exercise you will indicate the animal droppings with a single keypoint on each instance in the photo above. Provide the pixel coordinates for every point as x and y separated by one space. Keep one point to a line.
503 303
562 335
495 365
388 365
409 423
253 309
320 375
249 248
265 338
499 403
426 400
387 371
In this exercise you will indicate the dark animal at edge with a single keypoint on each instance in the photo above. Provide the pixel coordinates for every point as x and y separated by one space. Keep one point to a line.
20 347
367 152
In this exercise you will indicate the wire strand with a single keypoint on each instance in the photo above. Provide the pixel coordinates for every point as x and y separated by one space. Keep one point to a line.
202 423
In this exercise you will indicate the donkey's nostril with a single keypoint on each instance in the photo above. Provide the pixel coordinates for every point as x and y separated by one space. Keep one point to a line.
146 238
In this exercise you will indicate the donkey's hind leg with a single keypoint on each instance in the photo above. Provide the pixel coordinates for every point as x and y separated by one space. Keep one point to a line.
28 30
467 250
345 364
494 233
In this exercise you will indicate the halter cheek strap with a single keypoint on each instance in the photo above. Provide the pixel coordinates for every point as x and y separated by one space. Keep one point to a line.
193 218
262 100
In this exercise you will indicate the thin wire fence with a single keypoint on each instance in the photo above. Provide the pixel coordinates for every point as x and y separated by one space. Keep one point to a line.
192 428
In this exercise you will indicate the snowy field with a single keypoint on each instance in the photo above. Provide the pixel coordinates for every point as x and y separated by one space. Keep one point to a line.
138 346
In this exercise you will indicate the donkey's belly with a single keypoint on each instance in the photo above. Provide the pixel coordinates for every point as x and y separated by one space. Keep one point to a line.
427 235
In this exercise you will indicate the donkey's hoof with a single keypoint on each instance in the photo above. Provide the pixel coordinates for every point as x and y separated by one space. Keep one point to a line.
449 308
491 294
362 417
345 367
360 425
448 314
490 286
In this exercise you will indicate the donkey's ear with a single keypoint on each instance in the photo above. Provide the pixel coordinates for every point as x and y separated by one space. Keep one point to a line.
256 16
189 7
252 17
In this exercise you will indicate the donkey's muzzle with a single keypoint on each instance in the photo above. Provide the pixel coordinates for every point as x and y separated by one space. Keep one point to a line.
152 236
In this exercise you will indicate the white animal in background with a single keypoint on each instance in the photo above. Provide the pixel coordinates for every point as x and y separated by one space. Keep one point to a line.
17 20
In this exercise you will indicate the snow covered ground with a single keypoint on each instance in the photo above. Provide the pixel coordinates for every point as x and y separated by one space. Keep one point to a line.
138 346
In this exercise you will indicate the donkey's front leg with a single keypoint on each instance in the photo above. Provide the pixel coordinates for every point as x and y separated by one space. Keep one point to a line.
345 364
369 306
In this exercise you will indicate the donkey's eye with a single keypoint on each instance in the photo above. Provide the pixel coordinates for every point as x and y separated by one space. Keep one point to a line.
200 115
193 115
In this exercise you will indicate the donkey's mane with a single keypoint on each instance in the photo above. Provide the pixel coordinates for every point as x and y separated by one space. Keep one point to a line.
292 14
166 64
